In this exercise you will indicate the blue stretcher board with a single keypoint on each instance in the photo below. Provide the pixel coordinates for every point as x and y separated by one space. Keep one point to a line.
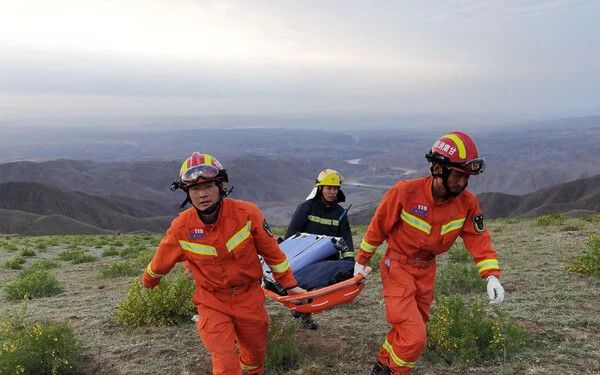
304 249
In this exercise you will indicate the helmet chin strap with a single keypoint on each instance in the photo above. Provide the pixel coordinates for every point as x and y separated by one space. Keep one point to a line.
444 176
210 209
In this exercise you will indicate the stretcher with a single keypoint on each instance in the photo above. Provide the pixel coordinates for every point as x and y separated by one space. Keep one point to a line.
302 250
316 301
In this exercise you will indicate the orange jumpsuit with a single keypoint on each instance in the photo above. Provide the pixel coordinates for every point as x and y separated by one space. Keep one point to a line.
224 260
416 229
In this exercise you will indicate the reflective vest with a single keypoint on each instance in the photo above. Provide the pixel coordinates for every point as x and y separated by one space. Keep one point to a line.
313 217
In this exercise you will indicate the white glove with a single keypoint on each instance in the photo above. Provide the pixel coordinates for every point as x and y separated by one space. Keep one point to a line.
360 268
495 290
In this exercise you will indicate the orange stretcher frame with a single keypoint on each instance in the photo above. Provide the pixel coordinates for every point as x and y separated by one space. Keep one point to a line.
318 300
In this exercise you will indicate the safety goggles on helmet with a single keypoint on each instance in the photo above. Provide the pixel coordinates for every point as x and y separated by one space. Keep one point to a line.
204 171
475 166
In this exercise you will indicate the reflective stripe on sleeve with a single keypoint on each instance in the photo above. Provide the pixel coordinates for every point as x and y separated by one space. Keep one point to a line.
415 222
239 237
248 367
487 264
323 221
348 254
397 360
197 248
453 225
279 268
367 247
152 273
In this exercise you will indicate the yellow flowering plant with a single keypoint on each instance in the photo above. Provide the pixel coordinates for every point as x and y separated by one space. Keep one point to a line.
42 347
587 263
470 333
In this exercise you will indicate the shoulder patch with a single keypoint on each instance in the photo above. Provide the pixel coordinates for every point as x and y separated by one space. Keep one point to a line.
267 228
478 223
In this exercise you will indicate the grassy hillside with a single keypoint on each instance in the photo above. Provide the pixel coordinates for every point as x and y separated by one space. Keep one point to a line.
561 310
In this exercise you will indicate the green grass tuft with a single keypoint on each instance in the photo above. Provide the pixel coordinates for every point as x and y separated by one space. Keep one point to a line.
32 285
132 252
40 266
283 350
27 253
14 263
460 333
589 262
458 253
76 256
595 218
43 347
170 303
458 278
111 251
118 269
551 219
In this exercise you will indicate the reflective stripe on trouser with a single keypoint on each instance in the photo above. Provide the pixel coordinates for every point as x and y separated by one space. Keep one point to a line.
225 319
408 293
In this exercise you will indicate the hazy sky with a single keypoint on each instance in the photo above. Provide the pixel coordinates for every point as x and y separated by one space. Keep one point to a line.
182 57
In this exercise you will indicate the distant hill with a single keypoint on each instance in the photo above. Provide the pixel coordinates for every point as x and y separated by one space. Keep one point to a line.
57 211
141 161
575 198
256 178
38 209
19 222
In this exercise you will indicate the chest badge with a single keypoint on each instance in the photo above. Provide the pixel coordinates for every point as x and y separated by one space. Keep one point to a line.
419 209
196 233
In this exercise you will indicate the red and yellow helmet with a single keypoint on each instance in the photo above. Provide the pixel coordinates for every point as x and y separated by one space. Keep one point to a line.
456 150
201 168
329 177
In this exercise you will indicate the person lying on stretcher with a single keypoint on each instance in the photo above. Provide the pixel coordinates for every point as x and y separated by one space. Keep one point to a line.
316 263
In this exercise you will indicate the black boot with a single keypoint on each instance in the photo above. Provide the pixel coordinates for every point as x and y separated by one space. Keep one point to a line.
307 322
381 369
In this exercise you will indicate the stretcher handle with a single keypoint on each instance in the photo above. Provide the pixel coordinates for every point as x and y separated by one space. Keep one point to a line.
358 279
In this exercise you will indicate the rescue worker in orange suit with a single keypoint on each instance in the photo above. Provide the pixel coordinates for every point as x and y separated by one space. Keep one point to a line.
219 240
419 219
321 213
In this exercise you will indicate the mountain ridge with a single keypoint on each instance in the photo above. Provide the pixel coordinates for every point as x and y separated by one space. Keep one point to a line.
575 198
39 209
